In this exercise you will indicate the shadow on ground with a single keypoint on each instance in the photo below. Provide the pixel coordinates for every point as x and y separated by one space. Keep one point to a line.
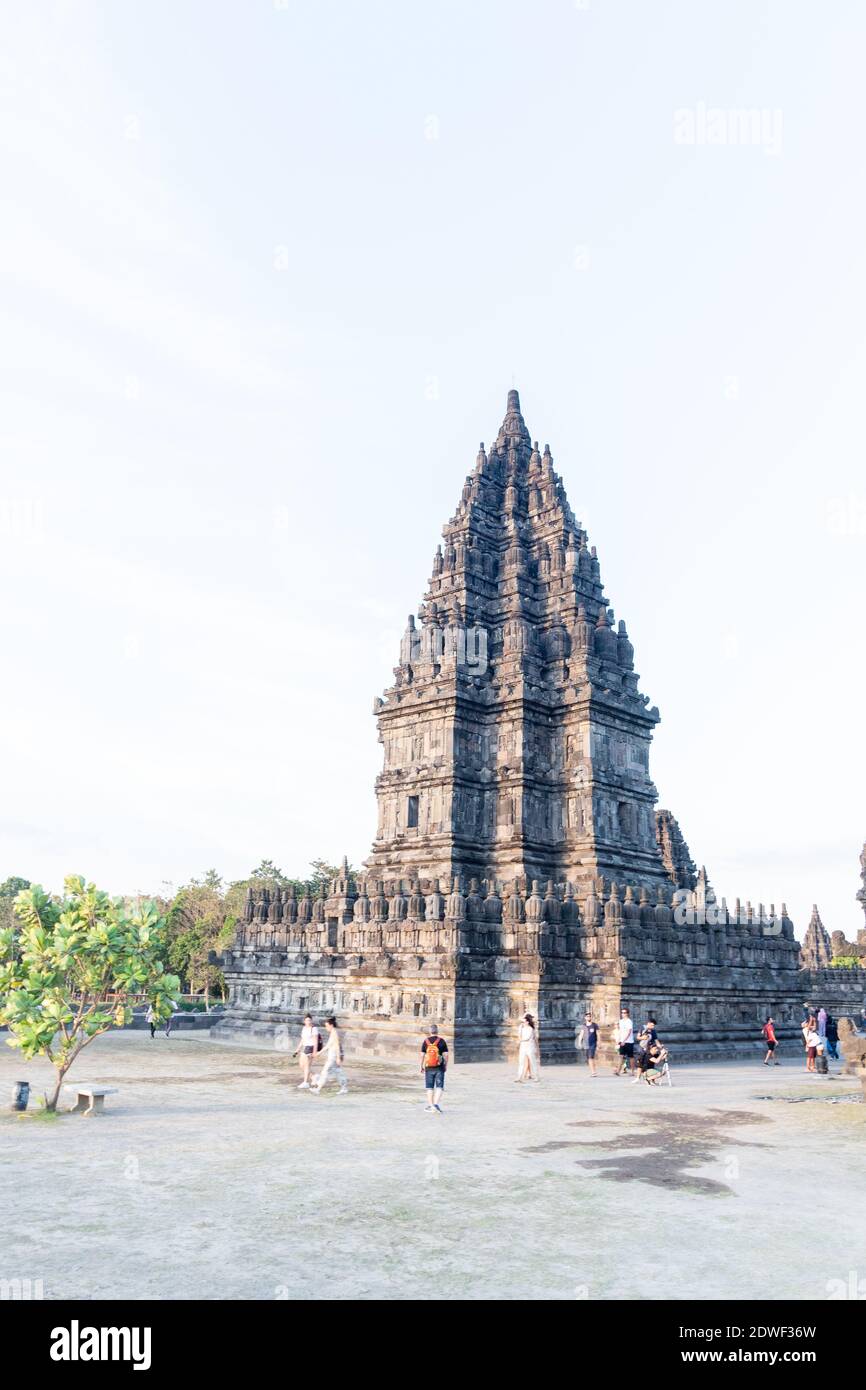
661 1149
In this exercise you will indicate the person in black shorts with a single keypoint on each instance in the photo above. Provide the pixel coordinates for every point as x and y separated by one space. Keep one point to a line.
625 1039
589 1040
434 1061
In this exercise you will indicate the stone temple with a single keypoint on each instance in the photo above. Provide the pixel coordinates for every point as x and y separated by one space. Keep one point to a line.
519 860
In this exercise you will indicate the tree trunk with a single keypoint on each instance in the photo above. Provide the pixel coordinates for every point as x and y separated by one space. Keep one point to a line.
52 1103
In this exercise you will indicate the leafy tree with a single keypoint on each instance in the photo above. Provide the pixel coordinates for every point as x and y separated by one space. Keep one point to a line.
322 874
13 886
8 893
268 875
268 872
846 962
74 968
200 922
202 919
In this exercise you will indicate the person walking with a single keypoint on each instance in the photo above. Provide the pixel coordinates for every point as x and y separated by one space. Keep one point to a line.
527 1054
434 1061
588 1039
769 1032
832 1037
310 1043
150 1018
625 1039
333 1060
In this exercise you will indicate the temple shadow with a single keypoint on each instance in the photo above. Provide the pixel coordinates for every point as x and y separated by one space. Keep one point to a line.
661 1149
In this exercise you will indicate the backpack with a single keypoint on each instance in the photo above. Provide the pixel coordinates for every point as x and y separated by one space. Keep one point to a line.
432 1056
319 1043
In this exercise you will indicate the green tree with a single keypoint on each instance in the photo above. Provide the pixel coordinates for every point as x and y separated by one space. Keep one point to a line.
200 922
13 886
8 893
267 872
322 874
74 968
267 875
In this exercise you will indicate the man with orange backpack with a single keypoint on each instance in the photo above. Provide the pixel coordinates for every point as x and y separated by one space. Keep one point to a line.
434 1060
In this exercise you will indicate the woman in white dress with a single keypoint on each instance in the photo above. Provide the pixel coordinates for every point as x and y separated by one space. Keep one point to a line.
527 1057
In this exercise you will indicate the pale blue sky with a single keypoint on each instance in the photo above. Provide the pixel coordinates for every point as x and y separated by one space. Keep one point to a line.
268 273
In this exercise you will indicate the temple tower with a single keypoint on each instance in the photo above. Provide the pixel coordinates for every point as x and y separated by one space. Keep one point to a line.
519 862
516 740
816 952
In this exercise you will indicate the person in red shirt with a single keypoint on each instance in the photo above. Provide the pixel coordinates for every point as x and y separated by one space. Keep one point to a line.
769 1032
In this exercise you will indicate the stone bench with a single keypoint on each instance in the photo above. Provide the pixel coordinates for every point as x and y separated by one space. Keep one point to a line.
90 1099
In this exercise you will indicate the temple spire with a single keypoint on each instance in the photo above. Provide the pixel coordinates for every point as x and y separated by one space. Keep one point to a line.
514 426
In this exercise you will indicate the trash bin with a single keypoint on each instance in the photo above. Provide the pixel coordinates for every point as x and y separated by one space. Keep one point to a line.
22 1095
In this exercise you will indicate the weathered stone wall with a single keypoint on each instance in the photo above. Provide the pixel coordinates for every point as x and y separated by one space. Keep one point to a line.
389 962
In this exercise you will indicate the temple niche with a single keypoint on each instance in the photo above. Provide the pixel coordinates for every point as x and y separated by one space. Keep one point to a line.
519 861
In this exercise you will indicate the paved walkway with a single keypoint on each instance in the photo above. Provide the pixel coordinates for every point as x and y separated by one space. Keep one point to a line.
211 1176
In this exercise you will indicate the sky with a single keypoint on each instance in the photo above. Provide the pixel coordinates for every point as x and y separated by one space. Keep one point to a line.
268 272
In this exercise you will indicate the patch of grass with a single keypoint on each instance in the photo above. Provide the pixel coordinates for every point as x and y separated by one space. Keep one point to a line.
37 1116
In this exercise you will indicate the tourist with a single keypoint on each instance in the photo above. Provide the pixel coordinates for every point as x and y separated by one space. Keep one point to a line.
169 1021
657 1067
822 1022
588 1039
647 1039
527 1054
832 1037
812 1042
309 1045
625 1042
333 1060
150 1017
434 1060
769 1032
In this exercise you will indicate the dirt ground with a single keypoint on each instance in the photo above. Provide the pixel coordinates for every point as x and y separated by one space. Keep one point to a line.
211 1176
